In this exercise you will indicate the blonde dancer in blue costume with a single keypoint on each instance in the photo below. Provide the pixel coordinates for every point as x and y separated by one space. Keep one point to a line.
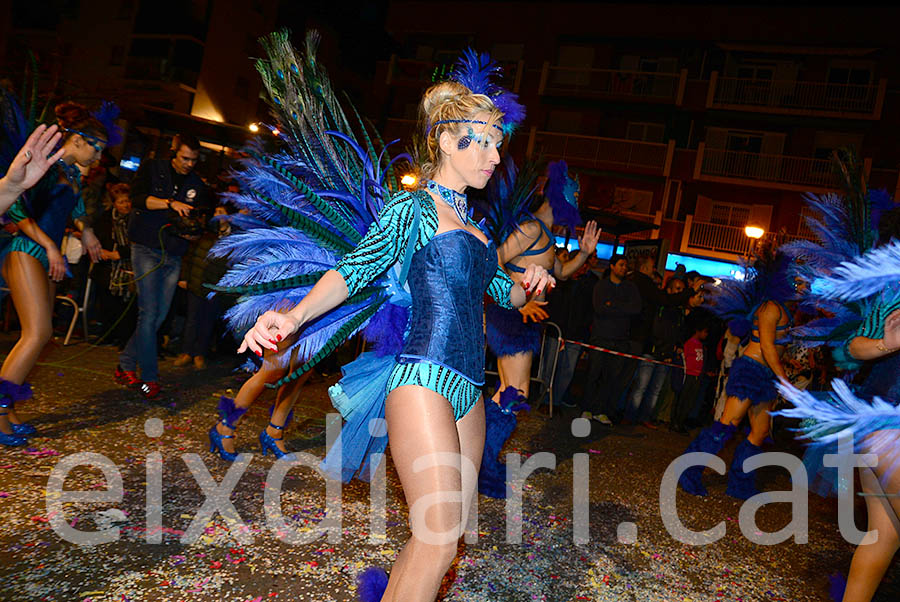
430 391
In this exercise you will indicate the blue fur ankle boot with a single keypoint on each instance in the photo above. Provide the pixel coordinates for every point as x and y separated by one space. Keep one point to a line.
499 423
370 584
742 485
710 440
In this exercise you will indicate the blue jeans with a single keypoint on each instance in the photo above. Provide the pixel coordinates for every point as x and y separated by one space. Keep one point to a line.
155 287
648 382
565 367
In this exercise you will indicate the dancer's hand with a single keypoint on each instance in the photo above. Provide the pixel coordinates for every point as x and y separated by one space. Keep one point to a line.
33 159
57 264
587 242
891 338
92 245
536 279
271 328
533 311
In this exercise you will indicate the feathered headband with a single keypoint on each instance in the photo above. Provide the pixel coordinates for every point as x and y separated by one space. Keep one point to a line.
562 193
476 72
107 115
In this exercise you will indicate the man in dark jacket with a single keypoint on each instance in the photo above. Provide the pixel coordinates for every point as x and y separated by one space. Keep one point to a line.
615 301
643 396
164 194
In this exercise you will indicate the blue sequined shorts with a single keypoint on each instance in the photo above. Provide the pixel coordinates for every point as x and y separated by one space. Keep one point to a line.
460 392
748 379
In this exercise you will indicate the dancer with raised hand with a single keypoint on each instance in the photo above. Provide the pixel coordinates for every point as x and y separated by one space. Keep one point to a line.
756 309
30 163
430 392
41 215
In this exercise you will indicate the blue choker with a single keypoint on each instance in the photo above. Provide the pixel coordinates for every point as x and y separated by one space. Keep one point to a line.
72 173
457 200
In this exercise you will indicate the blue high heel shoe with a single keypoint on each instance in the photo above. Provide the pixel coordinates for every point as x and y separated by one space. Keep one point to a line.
23 430
267 443
215 442
230 414
10 440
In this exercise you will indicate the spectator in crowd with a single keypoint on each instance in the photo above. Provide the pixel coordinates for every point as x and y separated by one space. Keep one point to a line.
570 307
693 368
114 277
197 270
615 301
164 194
663 324
643 396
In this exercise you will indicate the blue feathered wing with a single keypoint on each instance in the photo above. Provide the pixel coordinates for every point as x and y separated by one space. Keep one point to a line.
305 206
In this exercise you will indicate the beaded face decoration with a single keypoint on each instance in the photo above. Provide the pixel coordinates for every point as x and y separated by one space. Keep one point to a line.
480 139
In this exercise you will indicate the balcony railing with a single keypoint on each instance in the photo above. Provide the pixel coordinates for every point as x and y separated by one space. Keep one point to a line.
420 73
765 170
589 82
594 151
797 97
723 241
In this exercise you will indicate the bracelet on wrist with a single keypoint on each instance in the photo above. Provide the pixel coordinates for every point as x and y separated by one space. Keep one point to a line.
880 347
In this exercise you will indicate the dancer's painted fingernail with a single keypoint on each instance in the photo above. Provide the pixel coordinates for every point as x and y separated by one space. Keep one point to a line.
540 290
526 285
278 338
259 353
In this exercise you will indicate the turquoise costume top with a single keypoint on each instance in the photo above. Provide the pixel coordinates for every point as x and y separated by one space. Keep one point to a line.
884 378
444 343
50 204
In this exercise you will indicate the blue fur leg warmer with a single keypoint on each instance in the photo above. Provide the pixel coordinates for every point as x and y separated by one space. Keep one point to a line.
370 584
742 485
229 412
499 426
10 393
710 440
508 335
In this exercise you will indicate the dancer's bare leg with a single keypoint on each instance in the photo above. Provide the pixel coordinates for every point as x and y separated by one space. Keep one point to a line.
735 410
760 422
252 388
421 423
287 396
515 371
32 295
872 559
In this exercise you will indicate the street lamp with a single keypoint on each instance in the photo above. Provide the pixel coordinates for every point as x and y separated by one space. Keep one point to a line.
409 180
254 128
754 233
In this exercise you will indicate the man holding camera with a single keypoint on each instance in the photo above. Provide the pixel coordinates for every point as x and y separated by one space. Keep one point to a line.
168 199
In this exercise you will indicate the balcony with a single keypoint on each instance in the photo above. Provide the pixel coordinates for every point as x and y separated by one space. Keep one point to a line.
586 82
791 97
418 73
723 241
783 172
603 153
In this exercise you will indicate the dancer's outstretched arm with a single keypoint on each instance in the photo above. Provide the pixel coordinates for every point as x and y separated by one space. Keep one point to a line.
873 347
587 244
30 164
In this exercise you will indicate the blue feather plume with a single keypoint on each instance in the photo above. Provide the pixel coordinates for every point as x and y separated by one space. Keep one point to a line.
477 72
863 276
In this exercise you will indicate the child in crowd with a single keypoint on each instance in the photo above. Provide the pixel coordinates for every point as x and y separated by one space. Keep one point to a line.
693 368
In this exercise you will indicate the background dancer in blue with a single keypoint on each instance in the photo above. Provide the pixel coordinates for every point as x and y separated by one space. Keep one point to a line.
756 311
32 262
433 399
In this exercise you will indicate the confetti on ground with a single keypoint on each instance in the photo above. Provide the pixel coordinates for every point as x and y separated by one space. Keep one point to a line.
85 412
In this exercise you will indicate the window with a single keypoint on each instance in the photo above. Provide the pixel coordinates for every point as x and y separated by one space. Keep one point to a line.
727 214
757 71
632 200
846 74
745 142
647 132
803 228
568 122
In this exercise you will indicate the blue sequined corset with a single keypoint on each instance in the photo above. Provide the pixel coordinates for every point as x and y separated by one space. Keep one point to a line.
447 281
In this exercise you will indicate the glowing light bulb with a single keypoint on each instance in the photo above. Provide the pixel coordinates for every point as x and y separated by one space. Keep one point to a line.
754 231
408 180
254 128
